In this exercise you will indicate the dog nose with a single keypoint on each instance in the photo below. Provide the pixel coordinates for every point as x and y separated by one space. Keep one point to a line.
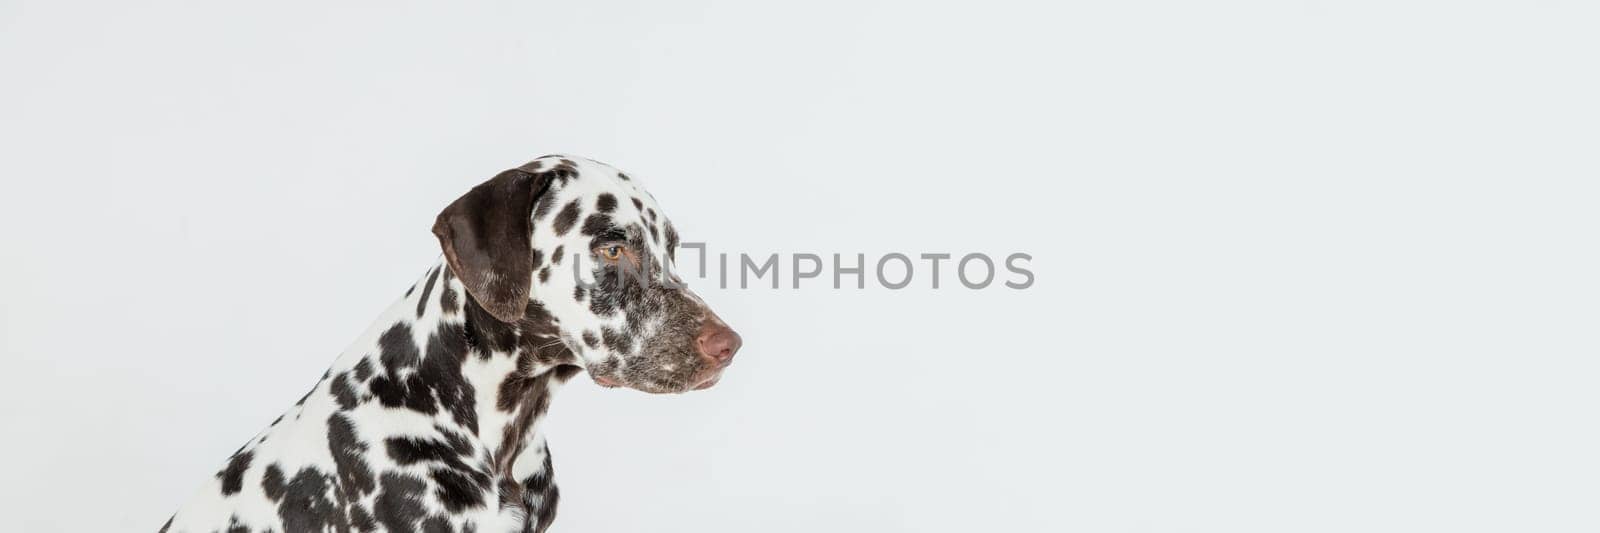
719 342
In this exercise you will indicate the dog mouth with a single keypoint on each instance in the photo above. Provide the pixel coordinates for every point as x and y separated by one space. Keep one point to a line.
709 382
709 379
701 379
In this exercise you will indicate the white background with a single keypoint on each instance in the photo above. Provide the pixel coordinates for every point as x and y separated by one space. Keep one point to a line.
1301 266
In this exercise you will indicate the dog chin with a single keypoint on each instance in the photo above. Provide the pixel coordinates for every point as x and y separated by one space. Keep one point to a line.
708 383
698 382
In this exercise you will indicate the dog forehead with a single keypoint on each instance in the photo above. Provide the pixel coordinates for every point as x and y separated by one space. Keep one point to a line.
592 187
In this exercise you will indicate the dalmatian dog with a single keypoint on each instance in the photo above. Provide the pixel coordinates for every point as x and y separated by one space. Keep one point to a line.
430 421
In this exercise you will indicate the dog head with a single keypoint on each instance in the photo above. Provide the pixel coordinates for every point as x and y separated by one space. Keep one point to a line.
585 244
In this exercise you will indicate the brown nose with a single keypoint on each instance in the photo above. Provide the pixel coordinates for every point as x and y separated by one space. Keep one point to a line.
718 341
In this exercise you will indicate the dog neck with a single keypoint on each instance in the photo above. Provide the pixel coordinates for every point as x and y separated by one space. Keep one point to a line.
495 379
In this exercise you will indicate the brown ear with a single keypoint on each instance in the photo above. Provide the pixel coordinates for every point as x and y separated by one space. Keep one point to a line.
487 239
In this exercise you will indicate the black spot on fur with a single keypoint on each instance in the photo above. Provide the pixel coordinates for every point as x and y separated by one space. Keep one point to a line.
403 392
363 520
232 476
462 444
515 387
578 293
590 339
459 489
437 524
411 450
596 224
398 350
349 457
272 482
394 392
306 504
606 203
555 258
399 505
342 391
363 369
427 289
544 275
638 204
566 218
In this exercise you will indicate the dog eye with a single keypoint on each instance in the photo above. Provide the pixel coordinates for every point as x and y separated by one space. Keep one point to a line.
610 253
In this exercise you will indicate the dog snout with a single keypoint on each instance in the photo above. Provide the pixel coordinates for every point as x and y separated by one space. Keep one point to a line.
718 342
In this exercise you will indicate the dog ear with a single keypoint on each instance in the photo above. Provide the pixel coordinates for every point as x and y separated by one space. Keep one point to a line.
487 237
